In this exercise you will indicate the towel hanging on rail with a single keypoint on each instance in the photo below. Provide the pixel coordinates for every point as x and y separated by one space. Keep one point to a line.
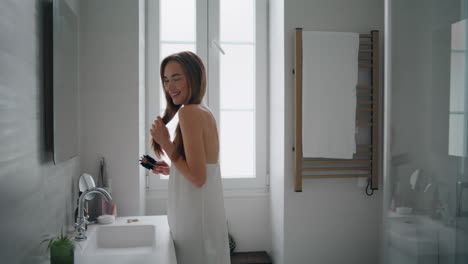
330 72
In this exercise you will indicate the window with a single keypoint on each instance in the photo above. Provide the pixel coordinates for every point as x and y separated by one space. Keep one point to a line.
230 36
457 117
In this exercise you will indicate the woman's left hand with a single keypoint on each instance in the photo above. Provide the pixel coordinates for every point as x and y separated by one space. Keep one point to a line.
159 132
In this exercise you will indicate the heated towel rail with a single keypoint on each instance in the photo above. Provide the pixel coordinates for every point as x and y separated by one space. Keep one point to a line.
365 160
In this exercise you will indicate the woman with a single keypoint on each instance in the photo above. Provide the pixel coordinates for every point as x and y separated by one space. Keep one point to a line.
195 204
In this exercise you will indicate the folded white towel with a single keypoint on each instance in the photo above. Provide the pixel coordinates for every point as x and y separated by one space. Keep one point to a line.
330 72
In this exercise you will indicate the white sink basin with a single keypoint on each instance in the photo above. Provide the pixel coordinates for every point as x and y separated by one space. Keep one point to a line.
128 236
418 239
145 241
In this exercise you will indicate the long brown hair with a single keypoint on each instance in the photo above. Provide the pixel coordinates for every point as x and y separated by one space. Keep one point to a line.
194 70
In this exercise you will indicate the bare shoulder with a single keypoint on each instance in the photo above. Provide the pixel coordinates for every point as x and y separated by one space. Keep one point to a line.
189 111
193 112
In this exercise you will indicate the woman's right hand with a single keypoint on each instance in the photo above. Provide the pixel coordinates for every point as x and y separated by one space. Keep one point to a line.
161 168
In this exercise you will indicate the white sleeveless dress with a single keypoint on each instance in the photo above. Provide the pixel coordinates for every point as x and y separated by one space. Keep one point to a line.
197 218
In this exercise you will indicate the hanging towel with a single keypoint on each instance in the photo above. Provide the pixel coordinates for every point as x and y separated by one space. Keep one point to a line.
330 72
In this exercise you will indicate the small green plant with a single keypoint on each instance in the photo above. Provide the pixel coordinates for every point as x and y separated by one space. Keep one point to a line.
61 249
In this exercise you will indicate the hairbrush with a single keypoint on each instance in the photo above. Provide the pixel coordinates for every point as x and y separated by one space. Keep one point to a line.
148 162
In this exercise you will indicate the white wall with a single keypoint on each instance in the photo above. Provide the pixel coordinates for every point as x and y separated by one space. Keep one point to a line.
110 97
332 220
142 101
277 127
249 221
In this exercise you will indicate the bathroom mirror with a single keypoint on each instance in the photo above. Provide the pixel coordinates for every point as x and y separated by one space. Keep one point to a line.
65 81
86 182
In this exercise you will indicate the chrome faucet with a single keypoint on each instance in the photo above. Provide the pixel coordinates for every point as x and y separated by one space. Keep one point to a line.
81 221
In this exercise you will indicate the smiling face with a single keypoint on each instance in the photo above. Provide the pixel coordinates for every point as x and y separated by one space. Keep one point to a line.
175 82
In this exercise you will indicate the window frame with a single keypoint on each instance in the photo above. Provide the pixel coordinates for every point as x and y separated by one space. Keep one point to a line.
207 31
